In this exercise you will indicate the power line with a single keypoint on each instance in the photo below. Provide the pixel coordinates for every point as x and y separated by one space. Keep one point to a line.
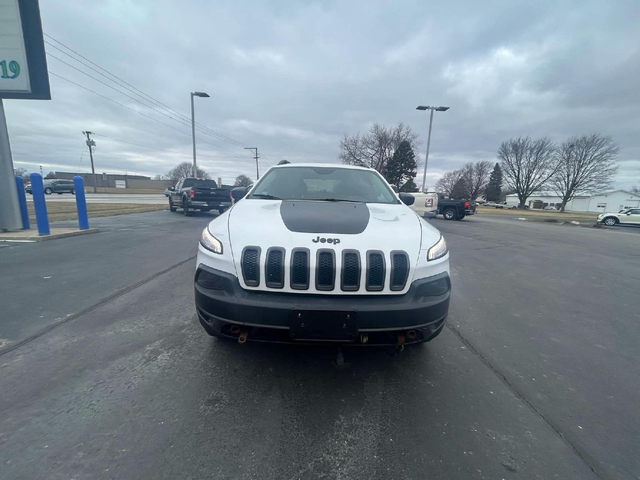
124 141
133 89
118 103
184 123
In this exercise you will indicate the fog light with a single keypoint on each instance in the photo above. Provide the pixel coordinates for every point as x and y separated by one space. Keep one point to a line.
210 281
437 287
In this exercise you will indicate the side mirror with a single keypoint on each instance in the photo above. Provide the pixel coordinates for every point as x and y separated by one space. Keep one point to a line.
238 193
407 198
172 189
628 213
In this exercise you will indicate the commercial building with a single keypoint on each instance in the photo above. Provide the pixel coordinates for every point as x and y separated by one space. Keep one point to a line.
602 202
117 180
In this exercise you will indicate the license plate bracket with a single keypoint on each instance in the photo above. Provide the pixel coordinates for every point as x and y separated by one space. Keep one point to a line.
328 325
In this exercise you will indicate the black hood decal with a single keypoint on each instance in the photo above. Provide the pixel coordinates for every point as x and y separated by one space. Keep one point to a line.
324 217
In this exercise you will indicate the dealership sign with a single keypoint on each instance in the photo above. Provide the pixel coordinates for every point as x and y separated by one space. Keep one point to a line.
23 66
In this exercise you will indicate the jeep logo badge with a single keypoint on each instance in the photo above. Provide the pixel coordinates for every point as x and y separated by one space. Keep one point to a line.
335 241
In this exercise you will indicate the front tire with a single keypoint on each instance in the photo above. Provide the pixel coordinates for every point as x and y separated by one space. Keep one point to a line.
172 207
610 221
449 214
185 208
48 191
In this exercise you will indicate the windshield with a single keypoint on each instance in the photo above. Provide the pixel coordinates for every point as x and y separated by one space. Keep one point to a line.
324 184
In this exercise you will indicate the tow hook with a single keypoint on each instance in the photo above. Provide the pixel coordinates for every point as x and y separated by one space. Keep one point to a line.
242 338
400 344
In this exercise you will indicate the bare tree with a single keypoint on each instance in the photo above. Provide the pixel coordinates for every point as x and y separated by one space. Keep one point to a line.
184 170
476 177
243 181
160 177
375 148
586 165
21 172
527 164
448 181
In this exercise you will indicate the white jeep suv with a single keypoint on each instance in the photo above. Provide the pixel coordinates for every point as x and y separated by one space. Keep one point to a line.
322 253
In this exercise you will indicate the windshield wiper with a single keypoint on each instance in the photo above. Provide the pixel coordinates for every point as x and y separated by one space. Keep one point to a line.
265 196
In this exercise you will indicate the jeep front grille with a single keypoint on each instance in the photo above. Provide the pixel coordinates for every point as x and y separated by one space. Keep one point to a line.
251 266
350 271
375 271
399 270
325 270
300 269
274 271
345 271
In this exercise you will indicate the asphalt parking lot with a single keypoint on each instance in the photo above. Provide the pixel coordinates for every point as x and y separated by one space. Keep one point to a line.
106 373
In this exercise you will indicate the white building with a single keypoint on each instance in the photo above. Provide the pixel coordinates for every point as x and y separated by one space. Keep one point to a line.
601 202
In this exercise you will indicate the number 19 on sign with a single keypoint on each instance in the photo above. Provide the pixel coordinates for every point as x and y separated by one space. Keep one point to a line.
12 71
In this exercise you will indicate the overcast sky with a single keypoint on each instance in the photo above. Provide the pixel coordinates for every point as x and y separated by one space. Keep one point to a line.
292 77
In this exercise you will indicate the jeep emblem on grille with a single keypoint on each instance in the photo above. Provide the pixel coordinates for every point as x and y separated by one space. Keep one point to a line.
335 241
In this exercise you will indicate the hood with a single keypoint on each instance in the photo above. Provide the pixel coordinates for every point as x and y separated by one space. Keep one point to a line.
313 225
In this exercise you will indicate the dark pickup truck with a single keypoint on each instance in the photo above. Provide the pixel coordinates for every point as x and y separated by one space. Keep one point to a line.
455 209
191 194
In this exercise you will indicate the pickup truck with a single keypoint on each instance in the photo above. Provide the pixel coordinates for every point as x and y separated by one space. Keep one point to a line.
436 203
191 194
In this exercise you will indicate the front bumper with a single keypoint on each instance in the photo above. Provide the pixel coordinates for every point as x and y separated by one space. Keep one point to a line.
416 316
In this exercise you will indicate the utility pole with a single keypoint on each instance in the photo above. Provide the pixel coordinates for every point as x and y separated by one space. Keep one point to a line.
256 157
90 144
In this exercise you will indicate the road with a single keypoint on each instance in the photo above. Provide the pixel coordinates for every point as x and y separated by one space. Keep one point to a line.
536 375
144 199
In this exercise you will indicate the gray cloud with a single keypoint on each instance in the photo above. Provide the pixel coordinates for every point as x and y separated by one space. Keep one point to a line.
291 78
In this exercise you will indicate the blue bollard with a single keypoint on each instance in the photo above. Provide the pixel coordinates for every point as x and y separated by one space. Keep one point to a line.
22 200
81 203
39 204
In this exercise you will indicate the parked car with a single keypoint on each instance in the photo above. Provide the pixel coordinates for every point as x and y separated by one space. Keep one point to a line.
317 253
54 186
630 216
550 207
191 194
437 204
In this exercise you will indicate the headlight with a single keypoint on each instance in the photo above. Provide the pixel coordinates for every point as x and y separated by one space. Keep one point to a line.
210 242
439 250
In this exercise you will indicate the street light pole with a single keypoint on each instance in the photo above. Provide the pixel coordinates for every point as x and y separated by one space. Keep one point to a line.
426 160
193 128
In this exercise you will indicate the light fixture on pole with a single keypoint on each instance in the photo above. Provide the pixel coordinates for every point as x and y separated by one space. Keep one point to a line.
193 128
426 160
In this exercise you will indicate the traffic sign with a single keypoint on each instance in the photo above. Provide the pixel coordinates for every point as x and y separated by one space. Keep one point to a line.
23 64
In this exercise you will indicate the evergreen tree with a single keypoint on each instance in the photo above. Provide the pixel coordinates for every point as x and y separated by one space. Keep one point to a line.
494 187
402 167
460 190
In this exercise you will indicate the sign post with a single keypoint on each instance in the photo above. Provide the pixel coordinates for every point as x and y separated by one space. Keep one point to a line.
23 75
